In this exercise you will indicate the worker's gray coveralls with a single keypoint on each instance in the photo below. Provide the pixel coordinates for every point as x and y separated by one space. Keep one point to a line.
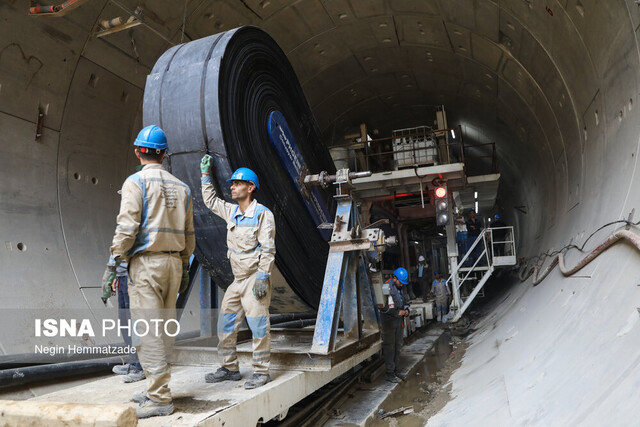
251 251
392 331
441 291
155 235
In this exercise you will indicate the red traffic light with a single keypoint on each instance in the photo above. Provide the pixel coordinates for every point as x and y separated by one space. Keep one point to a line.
441 192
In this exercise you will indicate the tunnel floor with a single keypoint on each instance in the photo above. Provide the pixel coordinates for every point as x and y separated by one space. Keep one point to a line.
428 359
426 388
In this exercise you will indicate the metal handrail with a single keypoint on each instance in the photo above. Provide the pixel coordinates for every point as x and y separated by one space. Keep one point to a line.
484 253
392 152
511 241
492 261
481 236
493 156
435 132
365 146
367 155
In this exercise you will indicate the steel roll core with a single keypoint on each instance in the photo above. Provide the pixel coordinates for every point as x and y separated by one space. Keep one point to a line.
215 95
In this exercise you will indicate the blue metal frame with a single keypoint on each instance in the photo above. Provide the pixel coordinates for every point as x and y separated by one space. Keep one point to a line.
347 289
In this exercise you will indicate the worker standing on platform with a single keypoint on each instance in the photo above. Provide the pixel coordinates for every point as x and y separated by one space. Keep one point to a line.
441 291
155 236
392 314
251 232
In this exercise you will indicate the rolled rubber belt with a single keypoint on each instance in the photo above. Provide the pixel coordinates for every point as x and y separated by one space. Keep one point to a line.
215 95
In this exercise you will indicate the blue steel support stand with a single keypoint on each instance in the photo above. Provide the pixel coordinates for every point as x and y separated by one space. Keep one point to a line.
346 288
346 284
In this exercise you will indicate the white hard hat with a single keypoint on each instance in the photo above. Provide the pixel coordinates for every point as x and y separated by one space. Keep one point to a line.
420 258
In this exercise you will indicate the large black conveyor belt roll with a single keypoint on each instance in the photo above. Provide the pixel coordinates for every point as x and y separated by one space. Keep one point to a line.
215 95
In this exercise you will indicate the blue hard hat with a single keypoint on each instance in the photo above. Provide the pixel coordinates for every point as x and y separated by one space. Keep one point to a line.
436 272
497 216
402 275
245 174
151 137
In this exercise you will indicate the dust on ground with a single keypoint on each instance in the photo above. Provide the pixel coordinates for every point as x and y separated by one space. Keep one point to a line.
190 405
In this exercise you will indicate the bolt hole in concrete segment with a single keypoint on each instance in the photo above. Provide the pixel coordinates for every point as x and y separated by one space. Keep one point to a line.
425 388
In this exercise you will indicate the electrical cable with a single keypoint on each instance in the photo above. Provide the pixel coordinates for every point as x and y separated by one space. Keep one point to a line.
214 95
184 20
558 255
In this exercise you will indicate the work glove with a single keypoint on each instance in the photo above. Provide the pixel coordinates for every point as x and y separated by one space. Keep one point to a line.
260 288
107 279
205 164
184 284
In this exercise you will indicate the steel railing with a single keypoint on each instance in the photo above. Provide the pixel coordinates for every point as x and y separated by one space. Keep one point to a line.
484 262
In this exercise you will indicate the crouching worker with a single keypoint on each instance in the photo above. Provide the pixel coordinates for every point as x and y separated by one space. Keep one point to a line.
392 313
155 236
251 233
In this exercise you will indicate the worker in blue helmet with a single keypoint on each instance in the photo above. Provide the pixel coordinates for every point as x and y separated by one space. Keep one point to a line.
440 290
155 236
251 232
392 313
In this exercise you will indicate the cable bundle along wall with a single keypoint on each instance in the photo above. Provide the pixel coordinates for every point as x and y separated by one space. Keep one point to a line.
215 95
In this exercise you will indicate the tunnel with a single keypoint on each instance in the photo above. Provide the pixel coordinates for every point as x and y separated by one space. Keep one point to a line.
554 84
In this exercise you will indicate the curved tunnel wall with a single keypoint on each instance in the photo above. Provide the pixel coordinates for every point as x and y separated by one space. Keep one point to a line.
560 101
563 353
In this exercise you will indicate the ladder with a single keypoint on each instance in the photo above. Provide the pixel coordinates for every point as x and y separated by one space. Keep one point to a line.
486 253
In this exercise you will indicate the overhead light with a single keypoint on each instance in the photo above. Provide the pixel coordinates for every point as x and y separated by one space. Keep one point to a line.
475 194
476 206
453 134
440 234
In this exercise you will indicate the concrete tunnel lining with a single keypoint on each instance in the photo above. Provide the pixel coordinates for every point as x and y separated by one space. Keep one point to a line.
559 102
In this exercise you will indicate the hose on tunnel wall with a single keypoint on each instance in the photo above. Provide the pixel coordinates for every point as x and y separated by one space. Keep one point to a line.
623 234
215 95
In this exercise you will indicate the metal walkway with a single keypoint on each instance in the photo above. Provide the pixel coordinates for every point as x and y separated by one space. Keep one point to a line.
494 247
